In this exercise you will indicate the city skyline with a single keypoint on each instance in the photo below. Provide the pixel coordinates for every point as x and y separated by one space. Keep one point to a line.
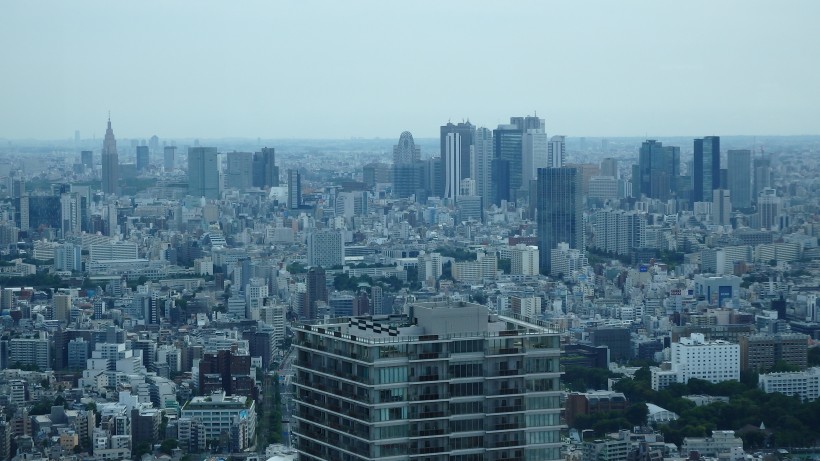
711 73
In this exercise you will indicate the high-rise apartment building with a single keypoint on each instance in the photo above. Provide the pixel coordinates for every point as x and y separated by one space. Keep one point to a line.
203 173
706 168
658 168
445 381
452 166
618 232
739 177
559 205
294 189
110 162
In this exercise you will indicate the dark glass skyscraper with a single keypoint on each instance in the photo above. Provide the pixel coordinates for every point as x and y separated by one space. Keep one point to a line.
294 189
265 171
658 167
143 158
508 141
706 168
501 180
560 212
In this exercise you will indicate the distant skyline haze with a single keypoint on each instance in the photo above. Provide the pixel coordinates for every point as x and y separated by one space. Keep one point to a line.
322 69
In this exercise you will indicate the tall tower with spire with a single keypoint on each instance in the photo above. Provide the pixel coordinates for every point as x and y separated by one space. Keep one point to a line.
110 162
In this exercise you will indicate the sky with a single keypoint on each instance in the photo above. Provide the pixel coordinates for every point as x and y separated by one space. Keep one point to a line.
340 69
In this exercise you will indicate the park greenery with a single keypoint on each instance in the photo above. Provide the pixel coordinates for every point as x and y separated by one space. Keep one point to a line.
760 419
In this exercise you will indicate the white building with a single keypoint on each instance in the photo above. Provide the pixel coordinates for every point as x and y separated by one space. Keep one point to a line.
806 383
720 443
219 413
112 251
694 357
524 260
565 260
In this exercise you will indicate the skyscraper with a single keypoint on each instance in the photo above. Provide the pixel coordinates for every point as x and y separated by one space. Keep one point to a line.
721 207
534 153
609 167
706 168
203 173
294 189
557 152
240 170
316 290
740 177
87 158
169 160
408 169
658 168
452 166
763 174
110 162
500 180
142 158
481 164
508 141
406 150
560 212
467 132
265 171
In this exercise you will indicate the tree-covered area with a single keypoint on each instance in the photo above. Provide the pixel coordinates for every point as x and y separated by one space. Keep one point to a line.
788 421
581 379
459 254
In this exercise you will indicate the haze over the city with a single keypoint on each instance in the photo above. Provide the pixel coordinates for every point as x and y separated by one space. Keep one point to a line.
322 69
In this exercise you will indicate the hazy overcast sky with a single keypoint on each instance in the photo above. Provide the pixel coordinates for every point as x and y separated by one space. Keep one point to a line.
336 69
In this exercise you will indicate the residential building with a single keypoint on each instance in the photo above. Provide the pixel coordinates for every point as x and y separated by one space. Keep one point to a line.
445 379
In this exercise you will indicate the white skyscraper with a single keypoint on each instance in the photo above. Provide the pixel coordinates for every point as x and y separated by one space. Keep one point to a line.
452 166
557 152
534 154
482 164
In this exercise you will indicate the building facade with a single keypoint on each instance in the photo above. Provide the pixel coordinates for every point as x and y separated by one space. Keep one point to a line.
444 381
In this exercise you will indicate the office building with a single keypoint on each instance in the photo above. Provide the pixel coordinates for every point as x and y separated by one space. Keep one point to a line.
315 292
220 415
768 209
406 151
240 170
376 173
87 159
557 152
466 132
534 155
203 173
721 207
609 167
142 158
110 162
805 384
706 168
500 181
739 178
760 352
618 340
169 157
294 189
593 403
695 357
508 140
452 166
35 211
325 248
658 170
265 171
762 174
447 379
481 164
559 212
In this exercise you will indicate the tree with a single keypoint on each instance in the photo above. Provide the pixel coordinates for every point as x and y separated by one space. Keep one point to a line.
168 445
636 414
